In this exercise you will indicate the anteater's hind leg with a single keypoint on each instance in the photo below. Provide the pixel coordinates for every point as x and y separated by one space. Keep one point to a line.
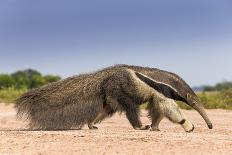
156 116
91 126
110 106
132 113
92 122
106 112
169 109
101 116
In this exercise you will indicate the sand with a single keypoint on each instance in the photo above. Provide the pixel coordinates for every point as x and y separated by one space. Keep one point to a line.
116 136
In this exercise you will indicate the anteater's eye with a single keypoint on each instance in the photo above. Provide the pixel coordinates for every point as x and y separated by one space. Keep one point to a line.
194 103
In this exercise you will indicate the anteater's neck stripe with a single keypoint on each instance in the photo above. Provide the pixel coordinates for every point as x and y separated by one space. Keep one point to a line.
164 88
158 82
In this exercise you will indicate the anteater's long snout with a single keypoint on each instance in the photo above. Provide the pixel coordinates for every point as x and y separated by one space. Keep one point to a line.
200 109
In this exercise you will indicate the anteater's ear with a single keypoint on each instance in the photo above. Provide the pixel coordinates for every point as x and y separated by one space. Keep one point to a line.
188 96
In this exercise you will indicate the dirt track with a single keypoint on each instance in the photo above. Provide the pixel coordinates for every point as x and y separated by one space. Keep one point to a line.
116 136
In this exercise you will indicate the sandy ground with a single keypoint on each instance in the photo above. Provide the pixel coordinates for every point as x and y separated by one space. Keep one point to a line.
116 136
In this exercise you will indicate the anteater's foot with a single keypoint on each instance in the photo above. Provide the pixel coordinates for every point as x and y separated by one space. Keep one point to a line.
191 130
187 125
92 127
154 129
146 127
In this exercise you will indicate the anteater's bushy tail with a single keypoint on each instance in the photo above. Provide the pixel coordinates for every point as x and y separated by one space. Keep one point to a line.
54 111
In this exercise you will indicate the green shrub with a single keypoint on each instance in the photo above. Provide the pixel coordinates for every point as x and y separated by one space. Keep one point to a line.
183 105
21 79
14 85
51 78
214 100
28 79
226 85
9 95
6 81
36 81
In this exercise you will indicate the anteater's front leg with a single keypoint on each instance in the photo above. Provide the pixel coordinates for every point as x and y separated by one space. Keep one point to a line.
170 109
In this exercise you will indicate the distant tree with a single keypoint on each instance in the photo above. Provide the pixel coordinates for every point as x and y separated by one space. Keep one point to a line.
28 78
51 78
21 79
209 88
36 81
223 86
6 81
219 86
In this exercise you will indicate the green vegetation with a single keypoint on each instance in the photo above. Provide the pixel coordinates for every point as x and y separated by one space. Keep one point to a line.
221 99
214 100
13 85
9 95
28 79
226 85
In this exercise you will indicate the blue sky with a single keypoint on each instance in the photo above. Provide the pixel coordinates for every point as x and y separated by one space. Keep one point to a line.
192 38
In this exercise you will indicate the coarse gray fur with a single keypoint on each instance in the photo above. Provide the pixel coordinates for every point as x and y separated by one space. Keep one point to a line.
89 98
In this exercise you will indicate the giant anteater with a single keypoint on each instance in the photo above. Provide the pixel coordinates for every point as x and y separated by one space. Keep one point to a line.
89 98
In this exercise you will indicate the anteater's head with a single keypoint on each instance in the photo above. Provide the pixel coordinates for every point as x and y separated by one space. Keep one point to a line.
193 101
183 92
174 87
